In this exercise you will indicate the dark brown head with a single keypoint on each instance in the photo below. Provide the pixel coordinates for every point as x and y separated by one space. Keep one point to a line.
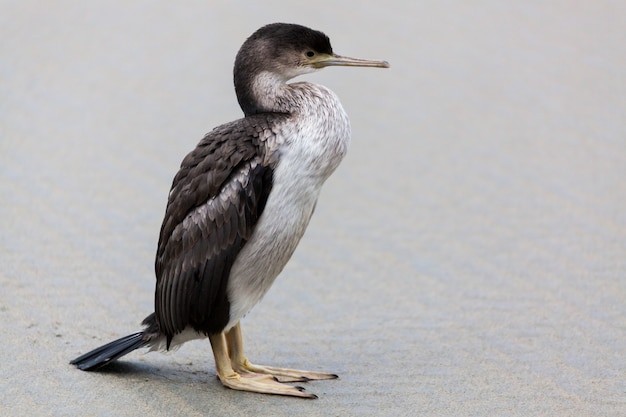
283 51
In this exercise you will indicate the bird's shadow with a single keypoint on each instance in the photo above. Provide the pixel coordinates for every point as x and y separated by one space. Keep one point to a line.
162 371
126 367
174 383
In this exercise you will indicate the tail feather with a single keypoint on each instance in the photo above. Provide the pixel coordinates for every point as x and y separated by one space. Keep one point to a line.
106 354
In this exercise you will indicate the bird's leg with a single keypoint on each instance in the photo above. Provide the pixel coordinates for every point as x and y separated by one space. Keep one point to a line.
264 384
241 364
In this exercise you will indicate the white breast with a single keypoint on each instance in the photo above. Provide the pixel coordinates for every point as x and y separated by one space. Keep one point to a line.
311 149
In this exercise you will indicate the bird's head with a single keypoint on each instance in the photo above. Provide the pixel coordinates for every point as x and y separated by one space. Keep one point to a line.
282 51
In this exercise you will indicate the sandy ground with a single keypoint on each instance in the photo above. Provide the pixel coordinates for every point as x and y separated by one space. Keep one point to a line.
467 259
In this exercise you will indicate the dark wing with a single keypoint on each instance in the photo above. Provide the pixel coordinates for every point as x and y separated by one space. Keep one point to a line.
216 199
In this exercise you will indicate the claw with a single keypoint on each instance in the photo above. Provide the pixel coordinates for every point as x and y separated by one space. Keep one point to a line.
236 372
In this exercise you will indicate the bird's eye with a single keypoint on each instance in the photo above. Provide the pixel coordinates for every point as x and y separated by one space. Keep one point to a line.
310 54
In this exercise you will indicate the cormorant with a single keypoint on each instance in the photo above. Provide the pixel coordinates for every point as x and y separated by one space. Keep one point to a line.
239 205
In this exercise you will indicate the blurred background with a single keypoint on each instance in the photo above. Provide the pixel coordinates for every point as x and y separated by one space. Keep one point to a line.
467 258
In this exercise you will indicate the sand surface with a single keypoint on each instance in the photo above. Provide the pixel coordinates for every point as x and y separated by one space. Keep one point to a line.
467 259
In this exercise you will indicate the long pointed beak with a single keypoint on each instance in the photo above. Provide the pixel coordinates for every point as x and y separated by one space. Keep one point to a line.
338 60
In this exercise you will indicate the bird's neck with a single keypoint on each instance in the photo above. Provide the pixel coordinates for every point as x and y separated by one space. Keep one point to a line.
264 92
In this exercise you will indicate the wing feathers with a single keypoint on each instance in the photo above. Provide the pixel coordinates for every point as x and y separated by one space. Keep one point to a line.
216 199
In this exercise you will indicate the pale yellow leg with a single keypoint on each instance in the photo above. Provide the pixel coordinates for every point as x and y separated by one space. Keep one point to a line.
240 363
264 384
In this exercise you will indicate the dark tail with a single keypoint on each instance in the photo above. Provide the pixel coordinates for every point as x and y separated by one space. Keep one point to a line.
106 354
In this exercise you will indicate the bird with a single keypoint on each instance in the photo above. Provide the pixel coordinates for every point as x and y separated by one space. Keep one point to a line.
239 205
